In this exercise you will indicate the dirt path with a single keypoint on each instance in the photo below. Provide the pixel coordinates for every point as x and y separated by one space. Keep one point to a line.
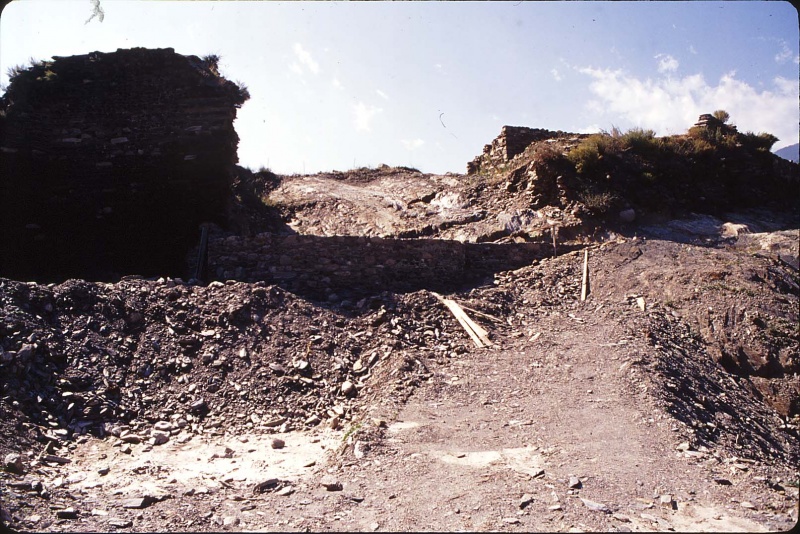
513 425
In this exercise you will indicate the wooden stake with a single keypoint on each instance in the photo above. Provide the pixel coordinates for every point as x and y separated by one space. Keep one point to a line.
554 234
585 281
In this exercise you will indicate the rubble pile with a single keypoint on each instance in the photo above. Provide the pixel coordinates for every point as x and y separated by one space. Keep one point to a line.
164 357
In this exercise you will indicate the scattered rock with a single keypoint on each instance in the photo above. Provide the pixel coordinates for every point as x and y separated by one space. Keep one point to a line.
575 483
277 443
68 513
330 483
158 438
266 485
230 521
136 503
348 388
526 500
595 506
120 523
285 491
13 463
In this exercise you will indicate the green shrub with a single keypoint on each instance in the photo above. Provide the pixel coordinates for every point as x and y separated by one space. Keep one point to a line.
762 141
587 156
597 202
639 139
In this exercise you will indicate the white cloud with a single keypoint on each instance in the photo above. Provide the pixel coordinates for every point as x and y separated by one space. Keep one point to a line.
412 144
692 50
336 83
666 63
364 115
304 57
785 54
382 94
592 128
555 74
673 104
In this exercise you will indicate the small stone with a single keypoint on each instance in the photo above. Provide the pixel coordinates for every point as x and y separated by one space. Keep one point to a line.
374 526
104 470
131 438
683 446
230 521
313 420
621 517
575 483
198 406
330 483
163 426
666 501
748 505
120 523
526 500
511 520
348 388
99 512
13 463
596 506
158 438
136 503
554 507
277 443
285 491
722 481
126 449
67 513
268 484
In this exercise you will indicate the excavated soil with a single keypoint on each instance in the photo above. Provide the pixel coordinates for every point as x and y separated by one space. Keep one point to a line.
667 400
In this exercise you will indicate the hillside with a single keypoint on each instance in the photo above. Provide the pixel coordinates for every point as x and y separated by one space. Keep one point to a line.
297 361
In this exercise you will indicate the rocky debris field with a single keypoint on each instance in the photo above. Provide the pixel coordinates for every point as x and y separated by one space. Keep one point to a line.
161 404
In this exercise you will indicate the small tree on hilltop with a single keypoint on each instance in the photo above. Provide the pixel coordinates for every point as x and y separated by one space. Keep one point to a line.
721 115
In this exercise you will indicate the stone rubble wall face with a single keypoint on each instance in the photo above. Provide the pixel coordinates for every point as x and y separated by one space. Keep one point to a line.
350 266
130 150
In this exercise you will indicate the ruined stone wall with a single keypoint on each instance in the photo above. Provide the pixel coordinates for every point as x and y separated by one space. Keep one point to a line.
111 160
350 266
513 140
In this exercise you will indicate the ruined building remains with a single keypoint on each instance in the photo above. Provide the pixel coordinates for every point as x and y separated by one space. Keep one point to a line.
110 161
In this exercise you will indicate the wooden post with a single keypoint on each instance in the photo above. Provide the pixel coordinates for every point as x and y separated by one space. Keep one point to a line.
554 234
585 281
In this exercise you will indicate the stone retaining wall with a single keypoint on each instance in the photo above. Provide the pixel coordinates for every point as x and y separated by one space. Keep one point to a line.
349 266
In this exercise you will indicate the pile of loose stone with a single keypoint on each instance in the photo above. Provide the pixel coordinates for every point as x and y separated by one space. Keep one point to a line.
158 360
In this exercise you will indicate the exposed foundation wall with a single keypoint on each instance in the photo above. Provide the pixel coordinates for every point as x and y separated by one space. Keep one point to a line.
349 266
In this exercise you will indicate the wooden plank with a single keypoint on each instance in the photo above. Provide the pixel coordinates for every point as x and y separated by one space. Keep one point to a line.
485 315
475 331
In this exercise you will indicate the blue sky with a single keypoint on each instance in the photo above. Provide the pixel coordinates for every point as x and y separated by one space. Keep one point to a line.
337 85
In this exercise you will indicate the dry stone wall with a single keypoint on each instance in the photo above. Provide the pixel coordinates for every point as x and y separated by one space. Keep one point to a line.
338 267
512 141
111 160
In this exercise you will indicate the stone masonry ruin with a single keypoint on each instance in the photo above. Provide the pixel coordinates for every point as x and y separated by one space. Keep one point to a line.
110 161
